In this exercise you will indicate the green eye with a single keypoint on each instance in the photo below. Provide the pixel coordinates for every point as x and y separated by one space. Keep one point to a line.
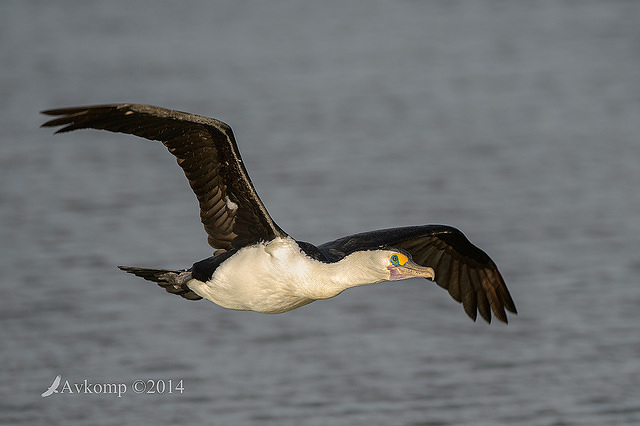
398 259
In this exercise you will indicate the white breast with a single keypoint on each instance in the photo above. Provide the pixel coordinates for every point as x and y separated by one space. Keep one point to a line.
268 278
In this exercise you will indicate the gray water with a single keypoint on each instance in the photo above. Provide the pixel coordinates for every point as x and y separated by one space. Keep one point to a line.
517 122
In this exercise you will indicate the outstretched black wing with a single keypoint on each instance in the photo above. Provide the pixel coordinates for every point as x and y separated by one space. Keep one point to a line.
468 273
230 209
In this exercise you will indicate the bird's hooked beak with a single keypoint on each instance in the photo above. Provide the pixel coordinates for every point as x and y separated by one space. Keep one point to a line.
410 270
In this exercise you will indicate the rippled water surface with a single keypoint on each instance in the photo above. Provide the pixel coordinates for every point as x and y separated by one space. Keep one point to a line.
516 122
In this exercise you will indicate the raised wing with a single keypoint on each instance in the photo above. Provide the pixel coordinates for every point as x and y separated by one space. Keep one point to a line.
467 272
231 211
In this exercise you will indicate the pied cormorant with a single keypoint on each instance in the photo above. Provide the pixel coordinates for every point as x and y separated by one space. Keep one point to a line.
257 266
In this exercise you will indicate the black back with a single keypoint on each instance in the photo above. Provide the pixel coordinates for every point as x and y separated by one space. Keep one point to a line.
204 269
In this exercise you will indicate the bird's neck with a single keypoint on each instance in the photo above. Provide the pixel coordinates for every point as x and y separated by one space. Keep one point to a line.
330 279
282 262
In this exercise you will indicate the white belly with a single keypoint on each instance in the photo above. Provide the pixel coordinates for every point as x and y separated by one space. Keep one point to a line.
270 279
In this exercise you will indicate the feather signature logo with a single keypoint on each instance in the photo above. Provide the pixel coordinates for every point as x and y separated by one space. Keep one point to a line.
53 388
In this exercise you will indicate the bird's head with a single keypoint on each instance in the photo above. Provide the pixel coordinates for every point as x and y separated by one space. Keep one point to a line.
401 266
374 266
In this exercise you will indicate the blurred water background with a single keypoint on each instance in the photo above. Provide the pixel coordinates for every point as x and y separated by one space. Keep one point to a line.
517 122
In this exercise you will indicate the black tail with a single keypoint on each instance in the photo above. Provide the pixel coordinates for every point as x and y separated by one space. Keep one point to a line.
174 282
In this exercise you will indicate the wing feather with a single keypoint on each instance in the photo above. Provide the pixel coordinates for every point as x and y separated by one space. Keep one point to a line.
481 297
464 270
230 210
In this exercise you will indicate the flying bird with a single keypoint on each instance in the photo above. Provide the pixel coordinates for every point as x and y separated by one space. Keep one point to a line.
256 266
53 388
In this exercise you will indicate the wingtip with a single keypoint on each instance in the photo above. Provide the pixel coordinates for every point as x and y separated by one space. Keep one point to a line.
55 121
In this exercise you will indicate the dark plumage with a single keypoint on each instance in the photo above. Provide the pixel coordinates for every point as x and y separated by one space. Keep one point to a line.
207 153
